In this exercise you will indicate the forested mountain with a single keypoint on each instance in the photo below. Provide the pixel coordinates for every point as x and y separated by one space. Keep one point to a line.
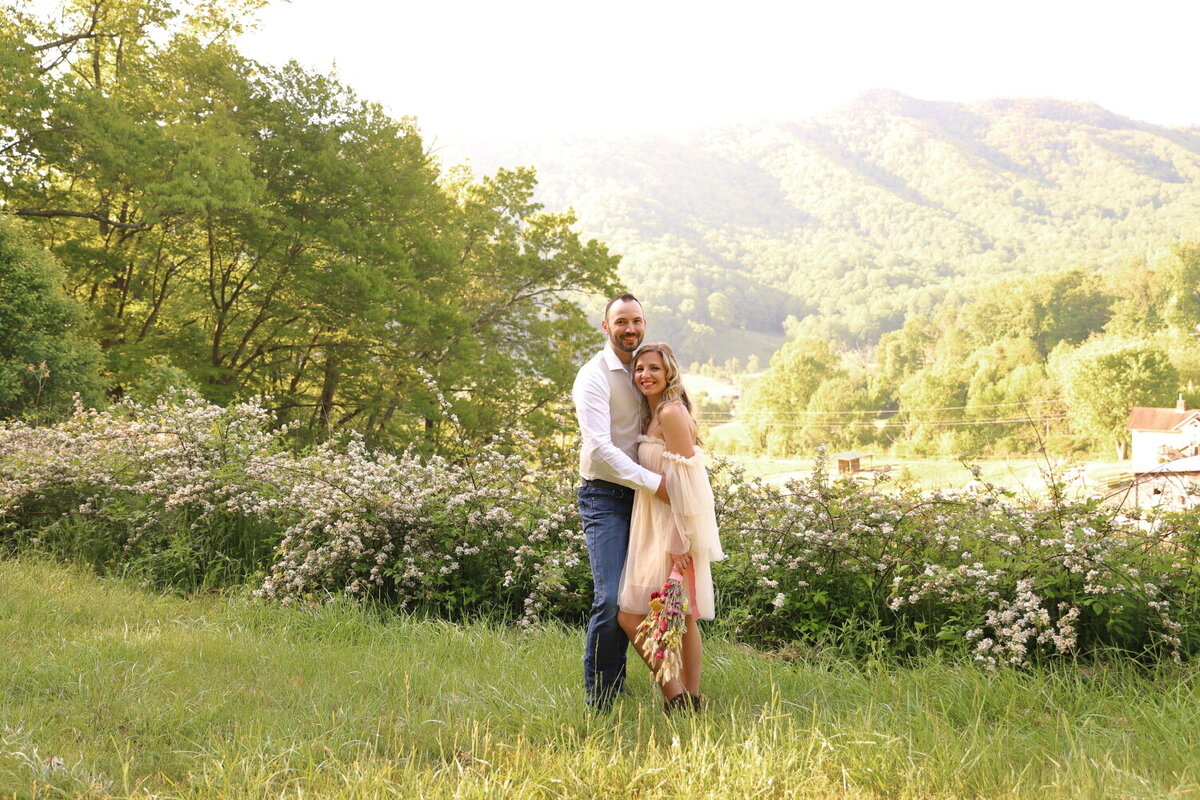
884 208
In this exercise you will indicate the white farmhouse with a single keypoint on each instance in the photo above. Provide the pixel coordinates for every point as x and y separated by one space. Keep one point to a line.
1163 434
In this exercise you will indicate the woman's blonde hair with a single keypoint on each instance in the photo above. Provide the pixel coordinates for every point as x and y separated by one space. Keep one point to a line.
674 391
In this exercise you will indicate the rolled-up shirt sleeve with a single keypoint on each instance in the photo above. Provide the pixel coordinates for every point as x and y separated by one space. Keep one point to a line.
591 396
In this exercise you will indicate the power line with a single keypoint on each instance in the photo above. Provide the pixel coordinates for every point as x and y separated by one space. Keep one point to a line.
884 424
902 410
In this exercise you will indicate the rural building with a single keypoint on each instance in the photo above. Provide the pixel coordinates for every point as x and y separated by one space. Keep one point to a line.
1161 435
849 462
1174 485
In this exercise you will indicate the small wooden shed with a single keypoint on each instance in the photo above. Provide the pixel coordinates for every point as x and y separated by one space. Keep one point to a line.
849 461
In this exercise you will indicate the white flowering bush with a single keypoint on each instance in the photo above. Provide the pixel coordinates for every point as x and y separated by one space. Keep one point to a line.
1008 581
166 486
190 495
488 533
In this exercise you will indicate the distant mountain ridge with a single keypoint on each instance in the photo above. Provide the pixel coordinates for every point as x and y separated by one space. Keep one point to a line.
846 223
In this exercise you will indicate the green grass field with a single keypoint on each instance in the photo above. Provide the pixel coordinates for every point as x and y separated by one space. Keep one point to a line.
1020 475
1017 474
110 691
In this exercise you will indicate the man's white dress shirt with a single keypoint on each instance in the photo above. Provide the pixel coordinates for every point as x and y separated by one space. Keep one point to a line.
607 407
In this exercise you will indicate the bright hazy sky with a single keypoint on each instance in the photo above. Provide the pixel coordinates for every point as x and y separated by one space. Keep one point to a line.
473 69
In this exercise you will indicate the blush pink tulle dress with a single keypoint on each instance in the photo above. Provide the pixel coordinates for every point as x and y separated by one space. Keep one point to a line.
658 530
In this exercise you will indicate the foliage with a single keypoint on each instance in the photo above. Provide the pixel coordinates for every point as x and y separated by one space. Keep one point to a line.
904 352
873 213
1105 378
1059 307
193 495
1180 287
1004 372
778 404
267 232
45 353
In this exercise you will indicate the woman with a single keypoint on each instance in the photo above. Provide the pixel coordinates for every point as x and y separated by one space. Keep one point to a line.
682 534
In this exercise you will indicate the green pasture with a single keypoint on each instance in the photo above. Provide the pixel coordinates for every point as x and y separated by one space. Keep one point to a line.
1016 474
110 691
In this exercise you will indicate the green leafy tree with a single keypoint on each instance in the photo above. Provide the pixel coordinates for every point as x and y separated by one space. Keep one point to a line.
332 296
903 353
1179 278
721 309
126 154
1063 307
512 334
777 404
932 401
1183 348
45 354
1105 378
1137 303
1008 381
833 404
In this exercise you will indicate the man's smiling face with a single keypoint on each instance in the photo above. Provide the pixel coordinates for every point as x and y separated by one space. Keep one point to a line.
625 327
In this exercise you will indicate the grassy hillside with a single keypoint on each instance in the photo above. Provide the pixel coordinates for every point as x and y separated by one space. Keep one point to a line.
108 691
880 209
1021 475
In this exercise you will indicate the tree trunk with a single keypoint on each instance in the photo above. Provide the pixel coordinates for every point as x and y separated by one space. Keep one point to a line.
328 388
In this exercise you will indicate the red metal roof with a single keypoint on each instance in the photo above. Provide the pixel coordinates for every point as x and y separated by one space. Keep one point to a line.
1159 419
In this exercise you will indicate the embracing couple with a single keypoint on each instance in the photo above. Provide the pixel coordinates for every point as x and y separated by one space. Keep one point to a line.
646 506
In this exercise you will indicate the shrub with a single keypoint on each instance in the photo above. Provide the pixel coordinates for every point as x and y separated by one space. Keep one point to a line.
176 491
44 356
1008 580
191 495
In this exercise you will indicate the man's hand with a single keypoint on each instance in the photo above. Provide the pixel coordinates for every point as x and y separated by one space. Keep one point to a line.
661 492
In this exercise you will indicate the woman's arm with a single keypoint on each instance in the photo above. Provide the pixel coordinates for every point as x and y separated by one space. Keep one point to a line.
678 431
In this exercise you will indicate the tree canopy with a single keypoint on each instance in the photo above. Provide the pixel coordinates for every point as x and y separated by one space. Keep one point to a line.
46 356
1052 362
267 232
1105 378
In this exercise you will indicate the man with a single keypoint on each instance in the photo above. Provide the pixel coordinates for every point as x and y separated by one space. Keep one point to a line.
607 407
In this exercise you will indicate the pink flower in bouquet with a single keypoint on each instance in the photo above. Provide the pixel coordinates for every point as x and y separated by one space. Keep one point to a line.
663 628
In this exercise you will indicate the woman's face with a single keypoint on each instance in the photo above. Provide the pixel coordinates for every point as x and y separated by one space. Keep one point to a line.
650 374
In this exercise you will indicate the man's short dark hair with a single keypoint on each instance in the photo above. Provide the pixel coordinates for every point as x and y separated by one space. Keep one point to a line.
622 298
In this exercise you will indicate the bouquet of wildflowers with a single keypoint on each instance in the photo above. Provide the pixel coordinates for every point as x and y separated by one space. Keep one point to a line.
663 628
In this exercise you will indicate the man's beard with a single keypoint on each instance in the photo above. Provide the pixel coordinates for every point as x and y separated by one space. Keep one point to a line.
619 345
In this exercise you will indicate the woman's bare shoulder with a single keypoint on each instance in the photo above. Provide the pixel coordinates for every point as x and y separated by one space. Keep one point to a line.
675 417
674 412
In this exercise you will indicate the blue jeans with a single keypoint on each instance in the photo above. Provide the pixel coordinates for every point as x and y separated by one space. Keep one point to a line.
605 513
